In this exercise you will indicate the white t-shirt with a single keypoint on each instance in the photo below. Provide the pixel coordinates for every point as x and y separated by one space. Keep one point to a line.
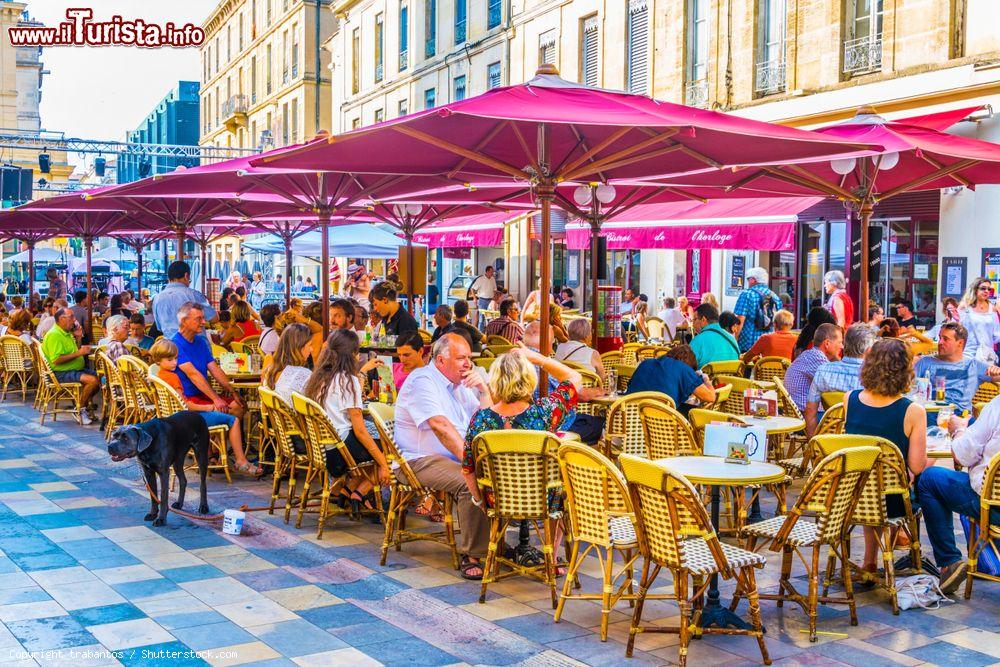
576 352
426 394
672 318
268 340
485 287
337 403
292 379
44 324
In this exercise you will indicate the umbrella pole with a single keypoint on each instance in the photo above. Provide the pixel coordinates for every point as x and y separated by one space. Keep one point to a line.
324 224
409 269
545 195
204 275
595 232
867 206
287 238
88 244
138 271
180 243
31 270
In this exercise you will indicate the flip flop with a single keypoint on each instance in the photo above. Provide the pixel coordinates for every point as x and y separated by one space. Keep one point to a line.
250 469
467 566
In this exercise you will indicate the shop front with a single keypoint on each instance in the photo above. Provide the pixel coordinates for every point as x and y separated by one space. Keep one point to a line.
458 253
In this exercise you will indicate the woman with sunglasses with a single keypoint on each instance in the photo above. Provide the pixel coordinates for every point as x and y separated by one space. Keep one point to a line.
979 316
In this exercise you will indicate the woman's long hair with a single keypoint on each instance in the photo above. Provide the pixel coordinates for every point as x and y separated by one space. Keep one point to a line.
338 361
288 353
814 319
971 296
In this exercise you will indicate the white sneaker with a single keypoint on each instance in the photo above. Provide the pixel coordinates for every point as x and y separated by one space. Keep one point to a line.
85 418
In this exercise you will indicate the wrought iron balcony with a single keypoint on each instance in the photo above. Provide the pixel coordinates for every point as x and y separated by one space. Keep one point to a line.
234 112
696 93
863 55
403 62
379 72
770 77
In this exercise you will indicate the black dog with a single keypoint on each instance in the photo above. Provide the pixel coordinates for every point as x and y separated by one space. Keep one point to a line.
159 444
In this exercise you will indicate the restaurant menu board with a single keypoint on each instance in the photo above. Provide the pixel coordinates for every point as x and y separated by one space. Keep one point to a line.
955 270
737 274
991 268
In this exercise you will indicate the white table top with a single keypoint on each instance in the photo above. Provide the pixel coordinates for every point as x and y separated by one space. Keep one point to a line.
715 470
777 424
938 447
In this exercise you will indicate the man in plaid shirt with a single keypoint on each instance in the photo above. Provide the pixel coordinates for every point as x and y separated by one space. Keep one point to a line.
827 344
841 375
749 303
507 325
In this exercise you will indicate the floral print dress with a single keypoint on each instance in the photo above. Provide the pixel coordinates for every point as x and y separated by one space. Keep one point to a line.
545 414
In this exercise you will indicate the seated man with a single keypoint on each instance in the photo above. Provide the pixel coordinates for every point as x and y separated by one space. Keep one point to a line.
827 344
433 412
780 343
961 375
195 363
410 349
68 358
840 374
942 490
461 326
711 342
442 321
507 325
114 342
137 333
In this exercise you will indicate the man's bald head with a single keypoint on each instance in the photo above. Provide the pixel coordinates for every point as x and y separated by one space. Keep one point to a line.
452 357
533 334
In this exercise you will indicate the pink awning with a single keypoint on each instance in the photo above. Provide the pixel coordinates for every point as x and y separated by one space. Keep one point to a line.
725 224
942 120
460 237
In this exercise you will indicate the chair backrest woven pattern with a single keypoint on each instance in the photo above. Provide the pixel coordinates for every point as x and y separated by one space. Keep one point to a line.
833 490
319 432
629 354
623 420
384 417
595 492
665 431
167 400
15 355
768 368
832 421
787 405
519 467
885 477
734 402
282 418
986 392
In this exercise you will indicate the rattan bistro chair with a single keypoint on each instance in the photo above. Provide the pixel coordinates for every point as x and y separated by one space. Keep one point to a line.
623 375
623 427
666 432
629 354
15 365
518 473
716 370
830 494
403 491
983 533
986 392
52 392
285 424
831 398
494 340
321 436
766 369
169 403
140 403
600 521
889 478
674 532
113 393
832 423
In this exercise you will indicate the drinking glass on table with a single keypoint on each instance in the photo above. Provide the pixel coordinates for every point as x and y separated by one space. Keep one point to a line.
944 416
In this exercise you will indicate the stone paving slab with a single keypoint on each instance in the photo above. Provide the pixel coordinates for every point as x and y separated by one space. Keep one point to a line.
84 581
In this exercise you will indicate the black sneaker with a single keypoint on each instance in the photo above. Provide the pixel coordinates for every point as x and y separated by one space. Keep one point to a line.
951 576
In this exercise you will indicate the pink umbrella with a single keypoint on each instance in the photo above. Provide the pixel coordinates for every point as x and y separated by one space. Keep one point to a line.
548 131
915 157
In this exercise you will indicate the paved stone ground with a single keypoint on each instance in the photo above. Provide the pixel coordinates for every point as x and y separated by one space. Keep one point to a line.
83 581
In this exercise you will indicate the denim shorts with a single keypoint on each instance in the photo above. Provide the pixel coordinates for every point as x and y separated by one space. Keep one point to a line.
69 376
218 419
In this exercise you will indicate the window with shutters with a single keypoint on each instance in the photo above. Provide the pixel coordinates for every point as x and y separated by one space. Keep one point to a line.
547 47
241 28
458 88
295 120
430 28
267 17
430 98
379 45
404 36
696 58
461 13
253 80
218 48
295 50
284 58
863 38
493 76
284 124
403 107
494 13
637 47
356 123
588 51
769 72
269 64
229 43
356 61
379 115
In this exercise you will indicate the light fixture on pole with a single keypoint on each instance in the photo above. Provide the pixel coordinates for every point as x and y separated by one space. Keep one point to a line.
843 166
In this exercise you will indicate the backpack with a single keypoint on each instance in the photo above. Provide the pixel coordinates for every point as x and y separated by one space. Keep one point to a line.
763 319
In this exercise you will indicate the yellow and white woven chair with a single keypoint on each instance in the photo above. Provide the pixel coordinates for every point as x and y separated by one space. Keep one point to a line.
988 532
829 496
766 369
140 402
15 365
623 427
600 522
629 354
169 403
665 431
725 368
518 476
674 532
284 422
623 375
113 392
402 492
889 478
831 398
832 423
734 402
52 392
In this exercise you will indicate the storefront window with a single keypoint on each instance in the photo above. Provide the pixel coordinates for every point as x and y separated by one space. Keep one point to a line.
909 266
813 254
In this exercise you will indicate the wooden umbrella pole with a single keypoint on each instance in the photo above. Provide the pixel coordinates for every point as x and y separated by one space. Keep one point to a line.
595 244
203 246
545 195
408 232
286 237
180 243
88 245
324 225
31 270
867 207
138 270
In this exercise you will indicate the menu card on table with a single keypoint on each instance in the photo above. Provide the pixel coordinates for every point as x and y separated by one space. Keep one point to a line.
735 442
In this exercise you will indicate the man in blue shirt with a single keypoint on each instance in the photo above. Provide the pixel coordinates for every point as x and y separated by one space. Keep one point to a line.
195 363
673 377
827 345
749 303
175 294
961 374
839 375
712 342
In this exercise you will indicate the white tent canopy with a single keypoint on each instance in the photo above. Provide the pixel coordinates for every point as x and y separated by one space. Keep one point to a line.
116 254
41 255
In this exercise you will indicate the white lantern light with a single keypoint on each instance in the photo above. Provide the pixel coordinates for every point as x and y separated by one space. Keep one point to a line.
606 193
888 161
414 209
398 210
844 166
581 195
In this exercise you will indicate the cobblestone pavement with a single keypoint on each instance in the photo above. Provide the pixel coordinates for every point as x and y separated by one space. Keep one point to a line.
84 581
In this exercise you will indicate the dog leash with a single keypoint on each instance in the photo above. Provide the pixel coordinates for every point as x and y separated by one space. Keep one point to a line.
202 517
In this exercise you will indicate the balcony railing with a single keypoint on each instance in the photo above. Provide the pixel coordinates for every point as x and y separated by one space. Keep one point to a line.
770 77
863 55
237 104
696 93
403 60
379 71
460 31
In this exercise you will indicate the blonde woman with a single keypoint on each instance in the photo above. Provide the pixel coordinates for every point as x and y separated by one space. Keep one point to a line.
708 297
512 383
979 316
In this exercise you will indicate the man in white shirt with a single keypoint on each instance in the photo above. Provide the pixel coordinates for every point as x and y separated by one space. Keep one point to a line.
485 287
942 491
671 316
433 411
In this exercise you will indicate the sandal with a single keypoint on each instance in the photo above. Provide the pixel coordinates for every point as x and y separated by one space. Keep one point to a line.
467 566
250 469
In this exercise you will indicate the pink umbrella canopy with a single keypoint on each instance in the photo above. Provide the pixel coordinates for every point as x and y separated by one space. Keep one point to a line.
915 157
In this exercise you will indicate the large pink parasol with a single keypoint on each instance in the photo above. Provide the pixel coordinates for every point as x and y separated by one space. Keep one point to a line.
915 157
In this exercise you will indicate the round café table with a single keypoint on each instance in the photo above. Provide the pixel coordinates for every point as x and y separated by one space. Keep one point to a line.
774 426
713 471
